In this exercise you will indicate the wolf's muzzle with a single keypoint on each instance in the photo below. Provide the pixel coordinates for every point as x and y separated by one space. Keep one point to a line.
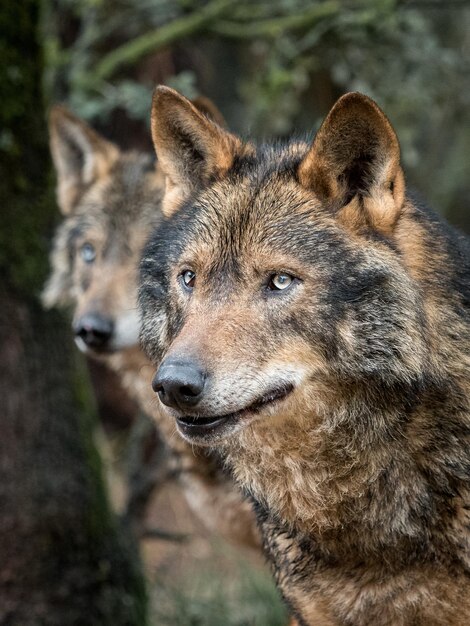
179 384
200 428
94 330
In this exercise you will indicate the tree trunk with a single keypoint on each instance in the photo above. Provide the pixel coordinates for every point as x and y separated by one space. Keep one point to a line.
63 559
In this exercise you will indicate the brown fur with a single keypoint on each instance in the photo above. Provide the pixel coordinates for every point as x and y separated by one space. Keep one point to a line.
112 200
210 149
342 404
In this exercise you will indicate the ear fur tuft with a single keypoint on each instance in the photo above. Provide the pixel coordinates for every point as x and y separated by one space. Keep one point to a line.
356 156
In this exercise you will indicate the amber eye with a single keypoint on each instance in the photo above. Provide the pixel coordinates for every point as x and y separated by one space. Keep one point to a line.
279 282
88 252
189 278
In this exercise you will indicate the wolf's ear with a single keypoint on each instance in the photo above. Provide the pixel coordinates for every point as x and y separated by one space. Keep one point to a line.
191 148
80 156
354 162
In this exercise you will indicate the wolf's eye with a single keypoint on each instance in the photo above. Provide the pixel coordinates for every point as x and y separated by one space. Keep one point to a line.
279 282
189 278
88 252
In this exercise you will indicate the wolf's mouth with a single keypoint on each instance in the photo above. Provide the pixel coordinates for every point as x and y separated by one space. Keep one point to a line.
199 426
99 351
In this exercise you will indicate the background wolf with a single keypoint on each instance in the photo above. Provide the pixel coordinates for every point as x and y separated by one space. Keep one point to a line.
111 200
311 323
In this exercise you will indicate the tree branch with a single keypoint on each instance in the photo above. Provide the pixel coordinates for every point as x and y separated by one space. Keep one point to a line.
160 38
276 26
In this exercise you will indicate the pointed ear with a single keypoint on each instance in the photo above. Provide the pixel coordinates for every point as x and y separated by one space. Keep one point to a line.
191 149
354 162
80 156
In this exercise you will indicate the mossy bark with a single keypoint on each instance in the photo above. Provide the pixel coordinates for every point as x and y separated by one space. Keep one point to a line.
63 558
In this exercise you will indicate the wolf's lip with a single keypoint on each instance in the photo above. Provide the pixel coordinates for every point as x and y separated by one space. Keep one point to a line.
195 426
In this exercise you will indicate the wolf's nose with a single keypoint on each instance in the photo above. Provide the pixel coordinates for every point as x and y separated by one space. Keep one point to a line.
179 384
94 329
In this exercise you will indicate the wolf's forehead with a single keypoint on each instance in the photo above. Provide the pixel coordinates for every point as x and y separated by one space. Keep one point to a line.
114 203
253 197
243 212
111 227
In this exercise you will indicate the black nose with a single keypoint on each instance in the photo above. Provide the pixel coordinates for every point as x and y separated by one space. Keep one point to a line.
179 384
94 329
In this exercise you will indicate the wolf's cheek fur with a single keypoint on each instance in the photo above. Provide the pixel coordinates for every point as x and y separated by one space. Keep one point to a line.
157 319
217 338
380 334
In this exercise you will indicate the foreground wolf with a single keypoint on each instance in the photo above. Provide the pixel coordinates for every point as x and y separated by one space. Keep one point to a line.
111 201
312 324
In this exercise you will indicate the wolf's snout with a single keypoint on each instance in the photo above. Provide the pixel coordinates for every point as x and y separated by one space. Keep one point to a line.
179 384
94 330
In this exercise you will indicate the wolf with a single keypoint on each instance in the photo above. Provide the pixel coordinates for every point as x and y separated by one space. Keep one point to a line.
310 323
110 201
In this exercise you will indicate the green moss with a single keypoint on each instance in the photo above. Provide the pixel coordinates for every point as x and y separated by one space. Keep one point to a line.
85 567
25 191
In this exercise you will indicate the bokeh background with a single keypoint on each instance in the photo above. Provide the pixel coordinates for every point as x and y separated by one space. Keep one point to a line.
274 68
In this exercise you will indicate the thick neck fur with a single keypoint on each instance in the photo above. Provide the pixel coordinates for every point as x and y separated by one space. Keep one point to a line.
372 464
363 468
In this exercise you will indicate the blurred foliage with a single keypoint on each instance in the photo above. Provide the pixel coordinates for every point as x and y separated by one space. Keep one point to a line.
285 62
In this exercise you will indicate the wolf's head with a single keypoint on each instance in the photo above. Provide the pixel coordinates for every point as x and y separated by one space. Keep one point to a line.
280 278
110 200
